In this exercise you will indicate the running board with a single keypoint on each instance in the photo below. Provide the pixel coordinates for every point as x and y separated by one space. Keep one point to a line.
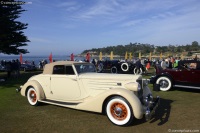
182 86
64 104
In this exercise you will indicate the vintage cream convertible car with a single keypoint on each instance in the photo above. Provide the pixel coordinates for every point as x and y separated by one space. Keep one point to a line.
77 85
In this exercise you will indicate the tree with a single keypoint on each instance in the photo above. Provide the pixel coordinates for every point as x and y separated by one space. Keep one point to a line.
195 46
12 37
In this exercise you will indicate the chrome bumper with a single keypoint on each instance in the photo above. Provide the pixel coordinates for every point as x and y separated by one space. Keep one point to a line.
151 107
19 89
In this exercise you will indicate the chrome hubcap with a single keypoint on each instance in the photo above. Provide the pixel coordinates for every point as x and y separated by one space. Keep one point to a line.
164 84
32 95
118 111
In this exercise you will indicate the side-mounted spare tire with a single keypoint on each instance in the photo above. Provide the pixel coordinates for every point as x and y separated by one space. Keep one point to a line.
124 67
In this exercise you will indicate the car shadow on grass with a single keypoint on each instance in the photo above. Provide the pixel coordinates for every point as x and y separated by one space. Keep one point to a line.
186 90
161 115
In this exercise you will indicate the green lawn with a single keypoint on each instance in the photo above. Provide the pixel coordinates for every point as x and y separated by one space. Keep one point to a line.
179 110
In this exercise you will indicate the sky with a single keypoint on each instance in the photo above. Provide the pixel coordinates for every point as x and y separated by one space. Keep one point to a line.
72 26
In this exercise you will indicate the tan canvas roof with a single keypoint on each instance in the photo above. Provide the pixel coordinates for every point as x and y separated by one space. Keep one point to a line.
48 69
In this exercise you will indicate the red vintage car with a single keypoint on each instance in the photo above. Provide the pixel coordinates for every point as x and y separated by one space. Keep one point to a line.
186 75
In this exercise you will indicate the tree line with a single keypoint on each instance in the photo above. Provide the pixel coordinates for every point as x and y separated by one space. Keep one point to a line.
135 48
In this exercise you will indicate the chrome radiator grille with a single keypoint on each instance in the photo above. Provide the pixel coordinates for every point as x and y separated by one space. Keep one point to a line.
140 93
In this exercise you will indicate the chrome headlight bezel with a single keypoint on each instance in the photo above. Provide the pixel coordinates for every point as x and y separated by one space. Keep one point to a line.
148 100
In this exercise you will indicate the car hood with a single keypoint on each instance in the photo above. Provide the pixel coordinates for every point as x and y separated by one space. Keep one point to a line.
105 81
109 76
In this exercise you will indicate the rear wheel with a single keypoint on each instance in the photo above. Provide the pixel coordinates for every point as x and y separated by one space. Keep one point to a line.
32 97
164 82
119 111
137 71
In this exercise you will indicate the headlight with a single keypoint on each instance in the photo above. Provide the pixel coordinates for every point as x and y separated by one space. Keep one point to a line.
139 87
148 100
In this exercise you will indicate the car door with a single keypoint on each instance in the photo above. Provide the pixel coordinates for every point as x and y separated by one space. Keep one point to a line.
184 75
64 84
195 75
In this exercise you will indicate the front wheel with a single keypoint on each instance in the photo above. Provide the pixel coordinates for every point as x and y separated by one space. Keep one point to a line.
32 97
119 111
165 83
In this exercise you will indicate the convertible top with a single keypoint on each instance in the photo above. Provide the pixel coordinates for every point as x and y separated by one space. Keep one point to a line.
48 69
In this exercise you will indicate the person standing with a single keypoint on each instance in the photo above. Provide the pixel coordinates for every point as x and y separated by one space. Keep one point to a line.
148 65
163 64
72 57
138 66
94 62
88 57
176 62
8 69
18 65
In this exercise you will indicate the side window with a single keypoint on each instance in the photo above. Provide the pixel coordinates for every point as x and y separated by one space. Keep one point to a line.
193 65
59 69
69 70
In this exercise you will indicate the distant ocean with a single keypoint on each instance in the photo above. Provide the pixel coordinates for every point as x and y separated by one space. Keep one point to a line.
37 59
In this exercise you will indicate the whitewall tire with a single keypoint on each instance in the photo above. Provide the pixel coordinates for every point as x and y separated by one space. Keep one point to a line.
164 82
124 67
119 111
32 97
100 68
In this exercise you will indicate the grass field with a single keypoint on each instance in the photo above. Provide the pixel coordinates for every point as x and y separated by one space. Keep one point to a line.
179 110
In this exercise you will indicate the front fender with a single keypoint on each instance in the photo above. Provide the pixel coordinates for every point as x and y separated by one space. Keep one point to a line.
154 78
96 103
36 85
166 75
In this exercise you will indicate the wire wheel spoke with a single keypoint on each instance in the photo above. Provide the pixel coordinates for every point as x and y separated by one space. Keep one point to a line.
33 96
164 84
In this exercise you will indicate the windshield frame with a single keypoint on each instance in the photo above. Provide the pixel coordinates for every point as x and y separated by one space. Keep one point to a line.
85 68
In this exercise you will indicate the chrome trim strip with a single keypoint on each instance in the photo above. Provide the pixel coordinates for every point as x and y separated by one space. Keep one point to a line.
58 102
193 87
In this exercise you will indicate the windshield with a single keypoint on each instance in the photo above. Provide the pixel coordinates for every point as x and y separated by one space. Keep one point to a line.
84 68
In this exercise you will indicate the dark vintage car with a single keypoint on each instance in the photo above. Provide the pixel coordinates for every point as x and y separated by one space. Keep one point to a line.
2 68
116 66
112 65
27 67
186 75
